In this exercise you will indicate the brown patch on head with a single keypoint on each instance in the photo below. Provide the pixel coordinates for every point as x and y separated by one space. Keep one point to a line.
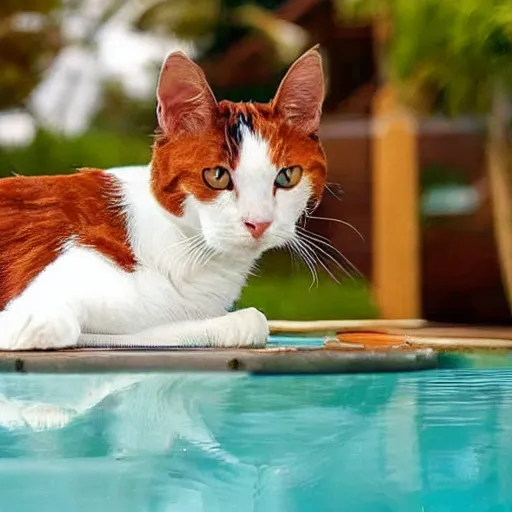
178 163
199 133
289 144
39 214
190 140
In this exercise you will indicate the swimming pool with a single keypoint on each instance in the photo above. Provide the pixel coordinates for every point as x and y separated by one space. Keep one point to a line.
438 440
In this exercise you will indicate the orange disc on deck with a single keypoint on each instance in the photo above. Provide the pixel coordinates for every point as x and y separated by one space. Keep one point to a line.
369 341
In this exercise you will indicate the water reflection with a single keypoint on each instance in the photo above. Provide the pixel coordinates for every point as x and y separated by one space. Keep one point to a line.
434 441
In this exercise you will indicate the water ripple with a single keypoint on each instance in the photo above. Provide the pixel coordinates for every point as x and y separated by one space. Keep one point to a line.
436 441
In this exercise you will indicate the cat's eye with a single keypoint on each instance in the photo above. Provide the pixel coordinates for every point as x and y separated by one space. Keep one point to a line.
217 178
288 177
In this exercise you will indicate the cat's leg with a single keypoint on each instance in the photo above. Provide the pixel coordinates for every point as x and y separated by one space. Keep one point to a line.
35 325
51 311
48 314
26 328
83 290
38 328
243 328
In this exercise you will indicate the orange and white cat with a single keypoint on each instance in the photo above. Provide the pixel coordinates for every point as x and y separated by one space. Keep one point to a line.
165 250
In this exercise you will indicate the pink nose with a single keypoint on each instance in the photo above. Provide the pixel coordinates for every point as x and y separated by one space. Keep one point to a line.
257 228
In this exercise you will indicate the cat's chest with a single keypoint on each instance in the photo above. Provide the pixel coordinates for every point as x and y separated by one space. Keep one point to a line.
108 299
148 298
209 290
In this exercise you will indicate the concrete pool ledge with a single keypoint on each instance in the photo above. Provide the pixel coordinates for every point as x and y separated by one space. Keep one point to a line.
270 361
368 346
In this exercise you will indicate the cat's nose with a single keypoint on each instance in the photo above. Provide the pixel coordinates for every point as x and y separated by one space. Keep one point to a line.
257 229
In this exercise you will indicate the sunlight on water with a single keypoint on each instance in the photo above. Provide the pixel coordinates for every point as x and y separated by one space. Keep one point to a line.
428 441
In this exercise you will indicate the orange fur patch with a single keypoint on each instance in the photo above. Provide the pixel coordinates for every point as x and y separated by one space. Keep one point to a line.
39 214
178 161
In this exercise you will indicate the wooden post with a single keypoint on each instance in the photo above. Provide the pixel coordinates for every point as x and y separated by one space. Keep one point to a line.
500 179
396 233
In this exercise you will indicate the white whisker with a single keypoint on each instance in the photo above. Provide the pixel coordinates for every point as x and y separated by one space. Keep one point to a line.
330 190
329 256
314 217
319 260
303 252
314 237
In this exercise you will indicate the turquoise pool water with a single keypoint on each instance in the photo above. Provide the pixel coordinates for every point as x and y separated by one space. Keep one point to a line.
436 441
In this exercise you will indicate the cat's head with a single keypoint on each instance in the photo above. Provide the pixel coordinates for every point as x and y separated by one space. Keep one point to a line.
244 172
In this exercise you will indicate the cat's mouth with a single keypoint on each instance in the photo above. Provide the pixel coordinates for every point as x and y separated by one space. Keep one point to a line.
249 247
252 244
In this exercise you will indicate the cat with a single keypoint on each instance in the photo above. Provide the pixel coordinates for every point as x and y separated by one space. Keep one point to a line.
164 251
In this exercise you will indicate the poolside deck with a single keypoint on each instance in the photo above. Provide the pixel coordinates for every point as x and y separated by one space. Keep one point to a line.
358 347
446 338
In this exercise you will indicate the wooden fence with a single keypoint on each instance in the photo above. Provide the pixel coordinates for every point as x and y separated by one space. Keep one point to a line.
447 270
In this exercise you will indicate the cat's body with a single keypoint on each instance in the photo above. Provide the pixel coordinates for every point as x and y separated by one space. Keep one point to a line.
126 287
138 249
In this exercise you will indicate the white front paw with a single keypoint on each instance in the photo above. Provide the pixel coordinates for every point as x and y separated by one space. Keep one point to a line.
27 330
246 328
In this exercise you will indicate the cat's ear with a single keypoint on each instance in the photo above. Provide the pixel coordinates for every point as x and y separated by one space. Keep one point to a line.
301 93
185 102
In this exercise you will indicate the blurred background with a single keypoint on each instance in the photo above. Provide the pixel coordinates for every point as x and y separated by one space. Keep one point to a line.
418 210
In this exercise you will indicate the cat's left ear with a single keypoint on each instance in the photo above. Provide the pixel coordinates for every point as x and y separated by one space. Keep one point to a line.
185 101
301 93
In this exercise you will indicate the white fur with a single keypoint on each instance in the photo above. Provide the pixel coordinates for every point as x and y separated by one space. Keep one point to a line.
222 220
189 268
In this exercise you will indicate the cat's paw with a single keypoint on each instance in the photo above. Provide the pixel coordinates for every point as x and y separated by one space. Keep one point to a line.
40 330
245 328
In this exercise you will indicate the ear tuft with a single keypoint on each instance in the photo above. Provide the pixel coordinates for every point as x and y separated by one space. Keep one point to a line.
185 102
301 93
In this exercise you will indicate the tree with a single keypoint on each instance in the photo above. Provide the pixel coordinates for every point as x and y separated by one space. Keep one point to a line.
29 40
455 58
32 35
213 25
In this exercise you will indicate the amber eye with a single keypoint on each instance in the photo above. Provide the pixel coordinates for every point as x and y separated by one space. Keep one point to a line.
217 178
288 177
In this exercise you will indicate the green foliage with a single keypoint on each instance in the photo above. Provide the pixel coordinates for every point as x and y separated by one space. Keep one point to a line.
282 290
227 31
122 114
51 154
438 175
444 56
181 18
25 54
211 24
261 93
9 7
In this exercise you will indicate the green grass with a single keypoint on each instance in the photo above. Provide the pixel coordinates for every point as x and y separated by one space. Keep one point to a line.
283 291
51 154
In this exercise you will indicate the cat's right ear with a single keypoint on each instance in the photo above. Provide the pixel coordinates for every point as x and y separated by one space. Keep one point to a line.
185 102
